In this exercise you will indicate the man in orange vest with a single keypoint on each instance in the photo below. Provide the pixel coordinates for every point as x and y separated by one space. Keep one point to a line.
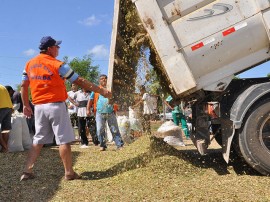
46 77
104 112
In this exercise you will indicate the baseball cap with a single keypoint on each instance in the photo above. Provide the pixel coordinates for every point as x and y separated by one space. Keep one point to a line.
48 41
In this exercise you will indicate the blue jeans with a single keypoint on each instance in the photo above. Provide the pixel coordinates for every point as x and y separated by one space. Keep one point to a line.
101 120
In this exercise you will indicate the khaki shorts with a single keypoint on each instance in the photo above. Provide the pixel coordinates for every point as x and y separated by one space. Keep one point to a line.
51 120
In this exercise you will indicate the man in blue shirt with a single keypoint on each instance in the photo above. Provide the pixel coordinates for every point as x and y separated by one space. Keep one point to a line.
105 112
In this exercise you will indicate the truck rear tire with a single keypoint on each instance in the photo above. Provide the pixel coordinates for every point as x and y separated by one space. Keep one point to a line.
254 139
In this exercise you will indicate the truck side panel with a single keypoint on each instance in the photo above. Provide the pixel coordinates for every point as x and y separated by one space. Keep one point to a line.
229 54
204 48
166 46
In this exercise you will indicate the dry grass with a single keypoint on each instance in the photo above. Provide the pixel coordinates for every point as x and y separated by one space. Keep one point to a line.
146 170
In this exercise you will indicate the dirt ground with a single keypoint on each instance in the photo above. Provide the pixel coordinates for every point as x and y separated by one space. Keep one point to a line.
146 170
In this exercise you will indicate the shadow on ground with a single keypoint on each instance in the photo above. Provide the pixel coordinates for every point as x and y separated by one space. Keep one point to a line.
48 171
158 148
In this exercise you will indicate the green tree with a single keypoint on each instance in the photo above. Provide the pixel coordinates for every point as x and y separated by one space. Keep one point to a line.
268 75
84 68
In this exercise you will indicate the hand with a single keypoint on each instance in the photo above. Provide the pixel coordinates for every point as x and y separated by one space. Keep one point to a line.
106 93
27 111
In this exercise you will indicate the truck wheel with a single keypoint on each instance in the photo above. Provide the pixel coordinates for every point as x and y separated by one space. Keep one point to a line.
254 139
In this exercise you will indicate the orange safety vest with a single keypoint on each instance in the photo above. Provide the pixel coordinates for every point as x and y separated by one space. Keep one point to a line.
45 82
96 95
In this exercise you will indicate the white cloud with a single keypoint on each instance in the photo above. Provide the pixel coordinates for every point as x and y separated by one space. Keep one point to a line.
90 21
30 52
99 51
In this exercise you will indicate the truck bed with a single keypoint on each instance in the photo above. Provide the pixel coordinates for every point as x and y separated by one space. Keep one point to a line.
200 44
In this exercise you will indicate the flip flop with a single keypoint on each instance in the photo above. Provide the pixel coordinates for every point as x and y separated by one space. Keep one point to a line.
74 176
27 176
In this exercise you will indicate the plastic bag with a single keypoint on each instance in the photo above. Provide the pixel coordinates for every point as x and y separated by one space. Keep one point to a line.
109 134
124 128
133 113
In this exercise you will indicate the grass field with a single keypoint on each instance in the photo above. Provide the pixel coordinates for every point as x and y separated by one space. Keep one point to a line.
146 170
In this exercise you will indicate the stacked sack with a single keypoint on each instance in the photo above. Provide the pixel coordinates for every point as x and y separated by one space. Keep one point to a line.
170 133
19 136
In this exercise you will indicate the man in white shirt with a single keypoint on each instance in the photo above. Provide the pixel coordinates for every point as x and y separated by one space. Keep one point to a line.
82 99
72 108
148 110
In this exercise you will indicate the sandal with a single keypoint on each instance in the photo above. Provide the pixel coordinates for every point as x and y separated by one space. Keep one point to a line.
74 176
27 176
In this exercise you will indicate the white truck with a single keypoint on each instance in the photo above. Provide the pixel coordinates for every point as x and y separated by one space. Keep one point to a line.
198 47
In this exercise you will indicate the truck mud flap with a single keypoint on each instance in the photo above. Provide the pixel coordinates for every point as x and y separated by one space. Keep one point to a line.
201 146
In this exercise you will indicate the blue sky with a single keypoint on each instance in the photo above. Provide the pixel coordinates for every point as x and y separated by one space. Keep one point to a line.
84 26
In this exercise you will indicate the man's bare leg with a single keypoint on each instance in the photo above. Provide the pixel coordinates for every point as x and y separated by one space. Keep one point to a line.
30 161
4 141
32 157
65 154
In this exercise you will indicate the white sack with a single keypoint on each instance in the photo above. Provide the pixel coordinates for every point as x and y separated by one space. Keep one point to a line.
133 113
168 128
134 119
26 137
15 135
174 141
124 128
135 124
